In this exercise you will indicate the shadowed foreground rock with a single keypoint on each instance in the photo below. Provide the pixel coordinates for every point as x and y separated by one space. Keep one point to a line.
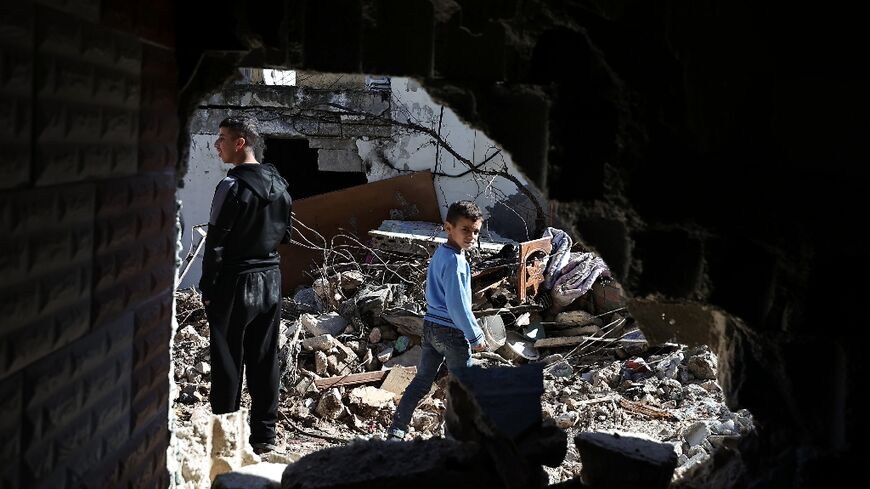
613 461
480 455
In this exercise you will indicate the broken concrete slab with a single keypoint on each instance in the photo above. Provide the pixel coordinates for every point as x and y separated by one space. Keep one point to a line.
398 379
408 322
323 343
369 397
330 323
421 238
385 354
332 143
697 433
625 460
373 299
681 322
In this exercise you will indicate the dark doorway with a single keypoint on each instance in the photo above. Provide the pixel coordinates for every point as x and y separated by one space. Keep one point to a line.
297 163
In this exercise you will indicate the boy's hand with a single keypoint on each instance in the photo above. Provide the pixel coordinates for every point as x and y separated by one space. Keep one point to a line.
480 347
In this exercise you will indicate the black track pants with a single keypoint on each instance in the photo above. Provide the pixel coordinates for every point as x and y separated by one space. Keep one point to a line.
243 314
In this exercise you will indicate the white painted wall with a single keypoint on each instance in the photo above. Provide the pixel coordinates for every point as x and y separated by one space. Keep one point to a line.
416 152
205 171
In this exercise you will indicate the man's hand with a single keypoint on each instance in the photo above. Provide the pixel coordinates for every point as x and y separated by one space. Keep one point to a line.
479 348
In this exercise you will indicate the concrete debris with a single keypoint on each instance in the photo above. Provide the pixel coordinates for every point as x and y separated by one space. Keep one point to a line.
703 366
600 372
371 300
385 354
410 358
375 335
697 433
577 318
330 405
324 342
320 363
307 300
407 321
330 323
562 369
188 334
625 460
369 397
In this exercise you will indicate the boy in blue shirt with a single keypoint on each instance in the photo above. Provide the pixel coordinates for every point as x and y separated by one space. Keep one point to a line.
450 331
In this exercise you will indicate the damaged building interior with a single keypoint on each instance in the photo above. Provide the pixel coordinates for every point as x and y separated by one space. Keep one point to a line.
700 161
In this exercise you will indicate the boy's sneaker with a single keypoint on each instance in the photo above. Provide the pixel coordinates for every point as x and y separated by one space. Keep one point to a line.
395 434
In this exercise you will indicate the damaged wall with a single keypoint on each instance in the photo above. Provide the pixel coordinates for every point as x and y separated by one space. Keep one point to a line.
414 151
756 113
88 97
378 151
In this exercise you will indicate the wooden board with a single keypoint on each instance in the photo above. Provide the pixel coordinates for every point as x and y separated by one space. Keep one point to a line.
353 379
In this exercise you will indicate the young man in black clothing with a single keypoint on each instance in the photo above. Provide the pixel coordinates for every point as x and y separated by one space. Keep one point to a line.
241 281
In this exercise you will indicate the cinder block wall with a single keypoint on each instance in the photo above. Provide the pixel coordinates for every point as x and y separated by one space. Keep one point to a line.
87 242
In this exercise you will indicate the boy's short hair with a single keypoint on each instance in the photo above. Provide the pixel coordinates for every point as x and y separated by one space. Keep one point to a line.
463 208
244 127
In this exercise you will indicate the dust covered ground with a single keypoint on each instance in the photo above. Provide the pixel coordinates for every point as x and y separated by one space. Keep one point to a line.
666 392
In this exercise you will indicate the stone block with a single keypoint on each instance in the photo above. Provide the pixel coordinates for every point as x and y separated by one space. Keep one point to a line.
682 322
339 160
509 396
625 460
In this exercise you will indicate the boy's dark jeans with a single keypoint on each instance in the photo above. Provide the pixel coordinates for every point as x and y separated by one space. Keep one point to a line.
440 343
243 315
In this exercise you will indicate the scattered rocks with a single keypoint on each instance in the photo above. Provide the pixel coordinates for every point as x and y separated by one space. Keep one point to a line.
329 323
330 405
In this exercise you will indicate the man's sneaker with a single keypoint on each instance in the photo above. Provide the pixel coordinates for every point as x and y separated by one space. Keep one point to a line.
261 448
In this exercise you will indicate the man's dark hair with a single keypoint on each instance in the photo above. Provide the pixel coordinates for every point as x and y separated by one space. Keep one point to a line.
244 127
463 208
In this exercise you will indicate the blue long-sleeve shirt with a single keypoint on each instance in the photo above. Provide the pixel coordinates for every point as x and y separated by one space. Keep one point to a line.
448 293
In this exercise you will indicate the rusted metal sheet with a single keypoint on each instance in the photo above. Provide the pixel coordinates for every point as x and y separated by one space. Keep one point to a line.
356 210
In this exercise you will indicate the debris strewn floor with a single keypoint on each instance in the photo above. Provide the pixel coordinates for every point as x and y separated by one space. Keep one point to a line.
350 341
668 393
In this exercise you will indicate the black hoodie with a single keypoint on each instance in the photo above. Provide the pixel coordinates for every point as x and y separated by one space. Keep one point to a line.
250 217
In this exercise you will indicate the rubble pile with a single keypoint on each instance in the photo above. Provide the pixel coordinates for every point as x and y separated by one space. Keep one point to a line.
349 345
